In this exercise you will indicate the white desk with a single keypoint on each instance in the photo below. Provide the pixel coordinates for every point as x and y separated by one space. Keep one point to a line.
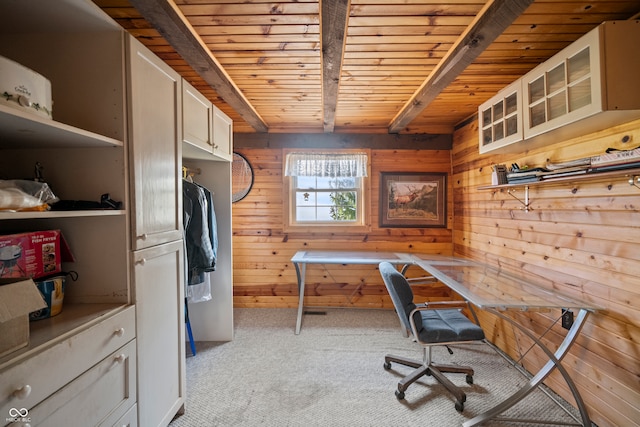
487 288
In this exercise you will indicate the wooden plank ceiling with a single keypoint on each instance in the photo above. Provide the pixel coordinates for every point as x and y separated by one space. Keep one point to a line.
357 66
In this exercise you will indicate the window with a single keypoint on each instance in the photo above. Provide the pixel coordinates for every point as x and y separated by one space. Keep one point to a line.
326 190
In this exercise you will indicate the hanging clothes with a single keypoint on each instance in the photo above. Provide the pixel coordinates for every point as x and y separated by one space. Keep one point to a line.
200 232
211 222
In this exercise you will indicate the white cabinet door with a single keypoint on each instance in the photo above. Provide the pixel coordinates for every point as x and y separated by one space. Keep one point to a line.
565 88
500 119
159 296
222 134
154 100
197 123
594 78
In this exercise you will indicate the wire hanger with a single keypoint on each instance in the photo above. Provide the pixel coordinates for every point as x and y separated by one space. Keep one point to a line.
188 174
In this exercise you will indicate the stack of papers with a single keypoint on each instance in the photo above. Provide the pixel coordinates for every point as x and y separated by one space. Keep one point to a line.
585 162
613 159
616 159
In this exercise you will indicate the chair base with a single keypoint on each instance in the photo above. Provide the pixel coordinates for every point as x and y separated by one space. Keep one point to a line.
437 371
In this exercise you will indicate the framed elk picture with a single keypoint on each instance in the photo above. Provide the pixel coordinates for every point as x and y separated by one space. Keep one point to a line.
413 199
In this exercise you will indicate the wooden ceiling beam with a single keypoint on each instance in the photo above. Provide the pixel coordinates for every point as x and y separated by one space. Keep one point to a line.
165 16
333 24
490 23
378 141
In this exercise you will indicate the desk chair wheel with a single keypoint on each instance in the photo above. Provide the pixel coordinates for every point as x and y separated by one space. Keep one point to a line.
459 406
469 379
399 394
387 366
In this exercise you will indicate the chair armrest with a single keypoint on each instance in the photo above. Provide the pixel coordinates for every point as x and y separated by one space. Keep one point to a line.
439 305
421 280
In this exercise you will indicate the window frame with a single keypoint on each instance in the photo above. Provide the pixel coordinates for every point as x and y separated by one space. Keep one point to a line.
289 205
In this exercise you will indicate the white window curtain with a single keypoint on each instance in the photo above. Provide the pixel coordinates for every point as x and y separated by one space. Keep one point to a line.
326 165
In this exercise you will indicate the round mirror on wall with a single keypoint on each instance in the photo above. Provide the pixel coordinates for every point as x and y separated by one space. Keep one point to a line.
241 177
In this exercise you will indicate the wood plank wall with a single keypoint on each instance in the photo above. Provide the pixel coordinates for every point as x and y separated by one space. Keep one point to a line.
582 239
263 273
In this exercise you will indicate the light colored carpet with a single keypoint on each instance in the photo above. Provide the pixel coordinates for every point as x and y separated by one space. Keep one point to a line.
332 375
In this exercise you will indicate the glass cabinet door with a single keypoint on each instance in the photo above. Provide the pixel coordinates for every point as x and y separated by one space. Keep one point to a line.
501 119
562 89
579 80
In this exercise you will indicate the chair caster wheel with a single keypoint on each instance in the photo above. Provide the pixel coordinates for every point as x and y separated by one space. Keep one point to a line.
469 379
459 406
399 394
387 366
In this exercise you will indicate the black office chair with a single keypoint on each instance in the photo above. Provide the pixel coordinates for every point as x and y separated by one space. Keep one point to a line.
438 323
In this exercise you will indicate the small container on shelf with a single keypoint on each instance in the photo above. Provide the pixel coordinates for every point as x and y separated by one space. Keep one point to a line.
52 290
24 89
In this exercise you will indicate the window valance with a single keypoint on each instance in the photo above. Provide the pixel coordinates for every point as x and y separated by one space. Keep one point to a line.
326 165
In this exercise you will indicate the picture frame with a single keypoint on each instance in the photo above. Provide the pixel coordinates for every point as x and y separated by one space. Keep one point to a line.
413 200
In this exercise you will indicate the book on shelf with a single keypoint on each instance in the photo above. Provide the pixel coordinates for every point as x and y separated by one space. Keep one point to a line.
558 173
615 166
524 179
613 157
583 162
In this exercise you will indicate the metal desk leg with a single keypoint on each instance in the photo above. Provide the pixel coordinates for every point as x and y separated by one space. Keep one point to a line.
553 363
300 272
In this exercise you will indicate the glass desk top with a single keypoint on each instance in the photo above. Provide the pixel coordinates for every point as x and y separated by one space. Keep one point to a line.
488 287
350 257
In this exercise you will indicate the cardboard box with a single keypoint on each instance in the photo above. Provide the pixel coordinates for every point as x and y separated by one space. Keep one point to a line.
33 255
18 298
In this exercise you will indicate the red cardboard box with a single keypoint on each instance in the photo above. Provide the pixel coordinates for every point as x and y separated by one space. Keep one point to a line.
35 254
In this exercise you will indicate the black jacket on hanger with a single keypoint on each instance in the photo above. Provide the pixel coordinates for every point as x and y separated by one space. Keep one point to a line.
199 231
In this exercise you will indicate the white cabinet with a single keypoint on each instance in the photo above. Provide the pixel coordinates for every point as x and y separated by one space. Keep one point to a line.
501 119
213 320
47 371
590 85
82 151
197 123
222 135
115 130
595 78
159 284
207 132
155 92
154 99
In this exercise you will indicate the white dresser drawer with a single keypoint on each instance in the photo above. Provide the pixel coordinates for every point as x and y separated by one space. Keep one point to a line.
26 384
99 397
130 419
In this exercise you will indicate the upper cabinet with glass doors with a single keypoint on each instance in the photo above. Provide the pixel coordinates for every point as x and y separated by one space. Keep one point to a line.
594 78
596 74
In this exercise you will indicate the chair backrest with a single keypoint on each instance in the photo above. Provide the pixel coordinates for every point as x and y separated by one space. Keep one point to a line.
401 294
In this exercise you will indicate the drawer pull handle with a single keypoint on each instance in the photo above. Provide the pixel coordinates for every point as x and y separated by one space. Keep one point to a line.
23 392
143 236
119 332
121 358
